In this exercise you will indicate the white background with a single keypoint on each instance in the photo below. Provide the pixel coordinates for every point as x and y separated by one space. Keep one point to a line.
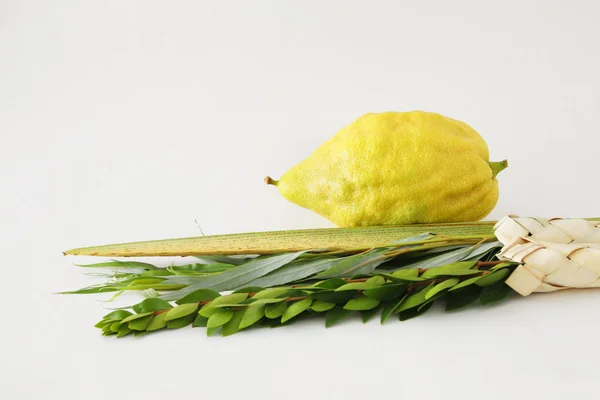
124 121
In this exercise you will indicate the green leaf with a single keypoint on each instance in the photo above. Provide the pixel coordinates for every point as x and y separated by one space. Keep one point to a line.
450 270
494 277
199 295
368 314
332 283
181 311
387 292
158 322
355 265
503 265
415 311
357 286
123 331
237 277
334 297
181 322
295 271
267 301
404 276
233 326
414 300
117 314
252 315
440 287
140 324
494 293
222 259
234 298
151 304
116 326
463 297
211 331
389 308
119 264
460 254
273 311
219 318
465 283
134 317
295 309
361 303
271 293
200 321
250 289
321 306
335 315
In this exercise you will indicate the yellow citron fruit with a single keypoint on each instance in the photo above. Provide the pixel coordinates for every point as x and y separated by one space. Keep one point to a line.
397 168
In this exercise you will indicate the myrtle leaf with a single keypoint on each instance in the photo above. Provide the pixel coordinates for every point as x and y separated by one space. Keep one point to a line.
321 306
448 271
123 331
465 283
361 303
334 297
357 286
335 315
134 317
181 311
366 315
463 297
440 287
219 318
233 326
200 321
140 324
270 293
150 305
389 308
494 293
332 283
494 277
198 296
414 300
295 309
181 322
252 315
117 314
274 311
415 312
387 292
158 322
233 298
211 331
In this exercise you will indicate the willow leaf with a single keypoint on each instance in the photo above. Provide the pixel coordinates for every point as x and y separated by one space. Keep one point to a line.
461 254
354 265
295 271
119 264
237 277
222 259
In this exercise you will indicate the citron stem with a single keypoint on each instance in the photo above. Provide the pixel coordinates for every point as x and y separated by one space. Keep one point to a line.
270 181
497 167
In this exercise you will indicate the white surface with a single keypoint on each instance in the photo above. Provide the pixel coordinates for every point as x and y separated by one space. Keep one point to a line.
124 121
